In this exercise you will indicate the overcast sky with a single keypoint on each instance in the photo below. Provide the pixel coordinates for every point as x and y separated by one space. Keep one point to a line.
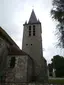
14 13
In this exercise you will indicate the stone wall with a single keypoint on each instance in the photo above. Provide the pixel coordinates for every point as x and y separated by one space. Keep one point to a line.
30 69
43 76
22 72
3 56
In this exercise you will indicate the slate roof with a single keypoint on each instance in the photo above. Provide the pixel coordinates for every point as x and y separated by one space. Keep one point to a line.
14 51
33 18
6 37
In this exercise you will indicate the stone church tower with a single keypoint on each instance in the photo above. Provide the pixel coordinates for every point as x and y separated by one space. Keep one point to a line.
32 40
32 43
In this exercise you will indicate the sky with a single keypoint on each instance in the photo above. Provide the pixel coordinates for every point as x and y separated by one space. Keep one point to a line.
14 13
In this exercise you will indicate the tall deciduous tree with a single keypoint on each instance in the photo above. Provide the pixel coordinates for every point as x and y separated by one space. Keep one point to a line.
57 13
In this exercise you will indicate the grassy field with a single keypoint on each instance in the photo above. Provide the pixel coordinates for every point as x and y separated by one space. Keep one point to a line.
56 80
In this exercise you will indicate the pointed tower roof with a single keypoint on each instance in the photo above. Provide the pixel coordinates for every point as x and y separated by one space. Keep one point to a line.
33 18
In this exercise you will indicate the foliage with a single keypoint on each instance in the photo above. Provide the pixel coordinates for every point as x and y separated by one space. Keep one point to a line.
58 65
58 14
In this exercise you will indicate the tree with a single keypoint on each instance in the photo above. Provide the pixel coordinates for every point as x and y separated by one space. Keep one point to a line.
58 65
57 13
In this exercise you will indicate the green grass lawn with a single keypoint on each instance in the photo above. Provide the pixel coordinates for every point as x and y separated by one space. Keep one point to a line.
56 81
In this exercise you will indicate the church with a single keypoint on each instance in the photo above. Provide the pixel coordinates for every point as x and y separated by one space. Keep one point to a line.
28 64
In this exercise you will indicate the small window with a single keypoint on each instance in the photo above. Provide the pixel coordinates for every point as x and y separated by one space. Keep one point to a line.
29 33
33 33
12 62
26 44
29 30
33 27
33 30
31 44
29 27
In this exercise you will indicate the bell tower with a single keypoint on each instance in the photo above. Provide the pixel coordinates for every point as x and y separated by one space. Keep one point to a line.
32 40
32 45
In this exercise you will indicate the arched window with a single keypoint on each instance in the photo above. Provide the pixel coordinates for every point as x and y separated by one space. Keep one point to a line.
33 30
29 30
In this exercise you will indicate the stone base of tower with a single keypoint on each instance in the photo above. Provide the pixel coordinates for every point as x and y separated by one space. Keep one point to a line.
40 72
42 77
